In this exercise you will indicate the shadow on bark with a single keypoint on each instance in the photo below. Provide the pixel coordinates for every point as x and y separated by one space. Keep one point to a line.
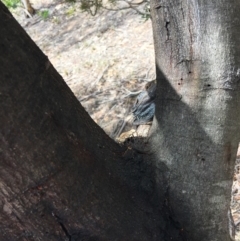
62 177
192 171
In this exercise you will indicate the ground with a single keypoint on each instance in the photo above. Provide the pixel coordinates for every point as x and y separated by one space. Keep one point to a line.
104 60
235 204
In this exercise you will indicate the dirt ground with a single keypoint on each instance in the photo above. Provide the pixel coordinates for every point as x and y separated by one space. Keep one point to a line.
235 203
104 60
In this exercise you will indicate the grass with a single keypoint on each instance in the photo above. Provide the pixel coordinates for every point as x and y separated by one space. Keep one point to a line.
71 11
44 14
11 3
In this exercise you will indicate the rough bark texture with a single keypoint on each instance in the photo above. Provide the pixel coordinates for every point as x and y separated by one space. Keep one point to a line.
195 133
61 176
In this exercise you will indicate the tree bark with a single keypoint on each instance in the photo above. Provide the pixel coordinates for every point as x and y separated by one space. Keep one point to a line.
195 134
61 176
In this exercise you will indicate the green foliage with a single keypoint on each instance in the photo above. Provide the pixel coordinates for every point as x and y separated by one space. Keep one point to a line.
112 1
44 14
71 11
146 14
11 3
91 6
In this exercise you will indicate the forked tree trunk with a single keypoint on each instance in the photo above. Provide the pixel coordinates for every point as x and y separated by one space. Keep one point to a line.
61 176
196 131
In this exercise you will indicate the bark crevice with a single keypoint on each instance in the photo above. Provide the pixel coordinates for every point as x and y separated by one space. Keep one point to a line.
63 227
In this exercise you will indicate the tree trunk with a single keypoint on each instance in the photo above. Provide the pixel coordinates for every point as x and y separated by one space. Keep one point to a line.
61 176
195 134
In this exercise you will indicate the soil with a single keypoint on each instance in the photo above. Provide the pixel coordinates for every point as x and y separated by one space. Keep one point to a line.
105 60
235 202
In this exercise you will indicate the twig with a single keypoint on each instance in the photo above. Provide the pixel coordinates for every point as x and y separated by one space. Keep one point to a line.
107 100
131 93
91 95
146 76
27 13
121 128
149 80
101 75
130 5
